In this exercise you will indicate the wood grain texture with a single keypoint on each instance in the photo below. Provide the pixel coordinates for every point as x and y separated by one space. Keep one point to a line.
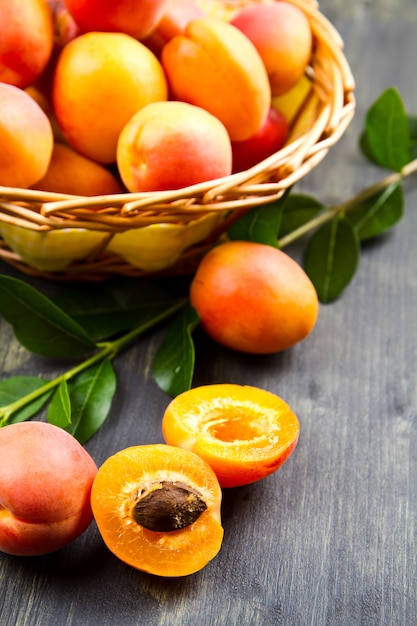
329 540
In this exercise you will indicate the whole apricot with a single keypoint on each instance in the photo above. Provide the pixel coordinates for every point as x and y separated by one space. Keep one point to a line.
45 483
100 81
26 138
266 141
133 17
26 42
253 298
72 173
169 145
282 35
214 66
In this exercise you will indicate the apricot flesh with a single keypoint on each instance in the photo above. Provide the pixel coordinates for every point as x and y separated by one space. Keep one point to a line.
45 484
243 432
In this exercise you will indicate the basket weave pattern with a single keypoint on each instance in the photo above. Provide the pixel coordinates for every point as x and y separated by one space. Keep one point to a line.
205 210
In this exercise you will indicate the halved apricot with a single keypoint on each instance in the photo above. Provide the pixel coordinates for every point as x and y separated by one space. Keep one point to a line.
157 508
244 433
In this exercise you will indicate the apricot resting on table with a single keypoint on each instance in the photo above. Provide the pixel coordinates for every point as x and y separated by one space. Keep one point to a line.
253 297
26 42
157 508
282 35
100 81
45 484
214 66
244 433
26 138
137 18
168 145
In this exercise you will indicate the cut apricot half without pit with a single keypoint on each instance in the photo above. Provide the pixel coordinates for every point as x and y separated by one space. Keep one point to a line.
244 433
157 508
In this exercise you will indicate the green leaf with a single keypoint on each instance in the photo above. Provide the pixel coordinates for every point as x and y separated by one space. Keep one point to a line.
107 309
59 410
298 210
331 258
379 213
173 365
39 325
17 387
366 150
412 129
91 394
387 136
260 224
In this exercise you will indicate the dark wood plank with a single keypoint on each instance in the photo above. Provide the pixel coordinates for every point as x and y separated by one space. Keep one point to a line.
330 538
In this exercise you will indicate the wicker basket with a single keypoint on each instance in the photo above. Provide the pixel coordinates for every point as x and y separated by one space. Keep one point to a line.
78 238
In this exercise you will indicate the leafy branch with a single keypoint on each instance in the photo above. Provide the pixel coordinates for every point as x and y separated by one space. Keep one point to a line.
82 395
98 321
385 185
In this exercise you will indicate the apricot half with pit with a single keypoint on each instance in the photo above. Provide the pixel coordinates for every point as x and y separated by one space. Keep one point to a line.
157 508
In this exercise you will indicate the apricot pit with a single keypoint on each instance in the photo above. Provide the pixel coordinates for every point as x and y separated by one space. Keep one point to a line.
168 506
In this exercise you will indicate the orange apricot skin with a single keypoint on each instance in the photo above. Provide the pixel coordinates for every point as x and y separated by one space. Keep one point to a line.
244 433
169 145
111 77
213 65
282 35
253 298
269 139
45 484
177 14
114 493
134 18
71 173
26 42
26 138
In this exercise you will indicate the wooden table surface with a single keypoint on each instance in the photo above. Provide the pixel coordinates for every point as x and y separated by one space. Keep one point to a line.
330 539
